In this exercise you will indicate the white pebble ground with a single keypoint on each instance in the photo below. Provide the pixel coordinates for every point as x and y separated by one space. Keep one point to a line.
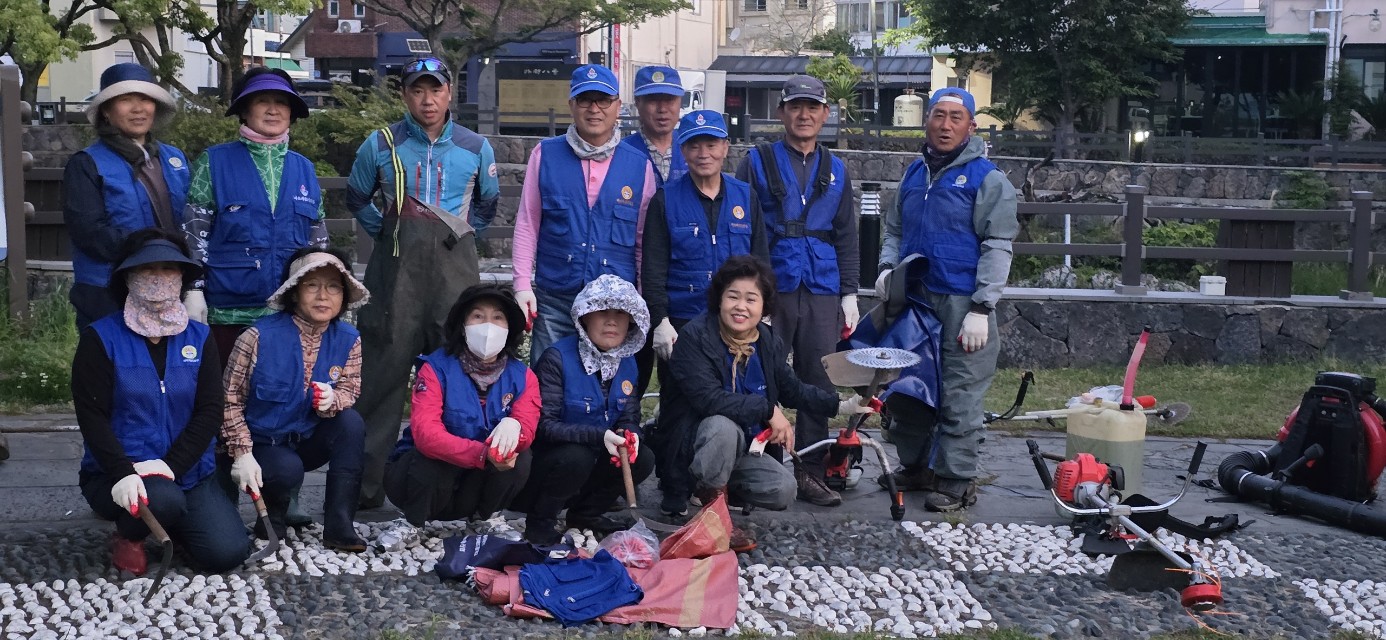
1351 605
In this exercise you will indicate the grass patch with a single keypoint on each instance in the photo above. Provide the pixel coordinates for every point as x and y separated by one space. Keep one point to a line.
1229 401
36 357
1318 279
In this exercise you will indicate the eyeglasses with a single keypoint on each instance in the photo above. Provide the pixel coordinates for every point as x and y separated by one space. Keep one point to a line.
585 101
314 288
425 64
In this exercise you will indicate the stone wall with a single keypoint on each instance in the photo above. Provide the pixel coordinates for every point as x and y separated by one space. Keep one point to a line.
1052 333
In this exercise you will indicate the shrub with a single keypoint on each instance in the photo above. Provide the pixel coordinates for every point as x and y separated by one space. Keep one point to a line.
1305 190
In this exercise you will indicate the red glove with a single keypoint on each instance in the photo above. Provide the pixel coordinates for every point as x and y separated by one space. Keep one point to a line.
631 441
875 404
529 322
846 332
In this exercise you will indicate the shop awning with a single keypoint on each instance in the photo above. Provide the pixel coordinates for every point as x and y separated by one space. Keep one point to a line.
286 64
1241 31
772 71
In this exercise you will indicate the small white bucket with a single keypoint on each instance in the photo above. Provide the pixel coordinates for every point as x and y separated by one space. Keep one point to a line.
1212 285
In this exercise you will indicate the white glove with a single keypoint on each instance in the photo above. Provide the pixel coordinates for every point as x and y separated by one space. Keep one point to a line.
528 303
850 313
664 338
852 405
505 437
611 440
155 467
881 284
196 302
246 472
323 396
974 331
128 493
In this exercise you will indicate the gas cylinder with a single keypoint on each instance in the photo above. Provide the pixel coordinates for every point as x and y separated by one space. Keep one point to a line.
909 110
1113 435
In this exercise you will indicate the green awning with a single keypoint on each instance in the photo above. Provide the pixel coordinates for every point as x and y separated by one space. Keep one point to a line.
1241 31
282 63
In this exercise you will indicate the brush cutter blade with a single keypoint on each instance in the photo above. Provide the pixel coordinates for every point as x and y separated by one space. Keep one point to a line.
1174 413
843 373
882 358
1145 569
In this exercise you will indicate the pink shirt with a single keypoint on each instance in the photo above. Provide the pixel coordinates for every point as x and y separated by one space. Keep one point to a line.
527 218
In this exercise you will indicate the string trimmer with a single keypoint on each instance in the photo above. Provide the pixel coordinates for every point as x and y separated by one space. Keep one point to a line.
1083 486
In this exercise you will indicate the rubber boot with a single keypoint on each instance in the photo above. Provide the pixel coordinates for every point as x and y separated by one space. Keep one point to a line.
339 512
296 517
276 507
541 521
128 555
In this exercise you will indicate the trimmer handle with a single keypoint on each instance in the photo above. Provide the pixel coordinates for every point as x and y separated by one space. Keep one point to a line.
1040 466
1197 460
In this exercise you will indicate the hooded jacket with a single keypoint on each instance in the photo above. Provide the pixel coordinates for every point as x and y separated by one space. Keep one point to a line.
559 378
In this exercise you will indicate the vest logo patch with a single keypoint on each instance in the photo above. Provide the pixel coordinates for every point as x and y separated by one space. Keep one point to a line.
303 194
658 76
591 73
233 208
505 400
626 387
738 212
175 162
962 180
334 373
740 227
189 353
491 171
627 193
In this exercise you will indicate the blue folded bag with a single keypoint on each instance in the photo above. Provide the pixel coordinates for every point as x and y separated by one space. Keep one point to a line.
460 553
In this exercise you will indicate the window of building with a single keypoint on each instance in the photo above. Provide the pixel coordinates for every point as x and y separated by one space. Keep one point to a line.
801 5
124 56
359 11
697 7
418 45
333 8
754 5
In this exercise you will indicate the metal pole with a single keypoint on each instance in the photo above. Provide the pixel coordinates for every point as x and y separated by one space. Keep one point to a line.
875 70
1133 249
1361 248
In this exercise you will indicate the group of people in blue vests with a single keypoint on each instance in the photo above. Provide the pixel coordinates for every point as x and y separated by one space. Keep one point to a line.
215 360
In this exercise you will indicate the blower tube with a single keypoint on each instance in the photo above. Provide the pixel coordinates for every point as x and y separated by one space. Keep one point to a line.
1129 384
1242 474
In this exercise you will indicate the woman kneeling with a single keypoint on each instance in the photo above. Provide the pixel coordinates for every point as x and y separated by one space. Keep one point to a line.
466 452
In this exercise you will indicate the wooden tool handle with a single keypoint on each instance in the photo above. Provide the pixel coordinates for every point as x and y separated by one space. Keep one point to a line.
148 517
626 477
260 509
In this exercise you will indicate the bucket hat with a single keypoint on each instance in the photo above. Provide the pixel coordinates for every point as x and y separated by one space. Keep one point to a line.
356 293
127 77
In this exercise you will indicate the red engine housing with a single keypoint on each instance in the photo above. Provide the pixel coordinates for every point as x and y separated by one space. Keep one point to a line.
1071 473
1373 431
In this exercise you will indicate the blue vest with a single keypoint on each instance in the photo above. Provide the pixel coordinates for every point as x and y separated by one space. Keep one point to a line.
584 401
148 414
751 382
677 165
695 251
463 413
251 239
276 404
801 227
127 203
936 221
578 243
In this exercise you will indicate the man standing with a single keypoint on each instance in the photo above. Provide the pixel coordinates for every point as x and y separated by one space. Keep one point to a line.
436 176
695 223
958 211
806 197
658 99
581 211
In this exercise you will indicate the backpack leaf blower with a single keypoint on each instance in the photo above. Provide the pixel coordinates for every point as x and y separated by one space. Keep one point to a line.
1330 454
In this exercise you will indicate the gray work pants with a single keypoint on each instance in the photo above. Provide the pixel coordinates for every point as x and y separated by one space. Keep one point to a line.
810 326
720 460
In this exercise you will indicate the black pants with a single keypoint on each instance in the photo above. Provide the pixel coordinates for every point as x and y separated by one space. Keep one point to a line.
578 477
427 489
200 519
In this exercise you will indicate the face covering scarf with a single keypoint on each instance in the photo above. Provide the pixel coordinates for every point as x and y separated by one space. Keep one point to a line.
153 308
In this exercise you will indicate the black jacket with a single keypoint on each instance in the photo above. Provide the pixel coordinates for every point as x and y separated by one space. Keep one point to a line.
699 380
552 428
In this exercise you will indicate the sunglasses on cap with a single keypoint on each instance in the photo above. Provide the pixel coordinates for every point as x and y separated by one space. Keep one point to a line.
425 64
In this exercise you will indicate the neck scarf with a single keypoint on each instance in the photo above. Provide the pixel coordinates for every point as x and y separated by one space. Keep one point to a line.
152 308
740 349
132 151
587 151
938 161
484 374
251 135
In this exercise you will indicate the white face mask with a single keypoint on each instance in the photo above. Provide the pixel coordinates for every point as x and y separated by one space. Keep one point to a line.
486 339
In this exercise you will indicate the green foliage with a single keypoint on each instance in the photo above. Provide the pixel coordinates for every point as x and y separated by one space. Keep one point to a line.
1007 112
36 37
1180 234
1305 190
194 130
1060 54
1346 90
36 353
836 41
1305 108
840 77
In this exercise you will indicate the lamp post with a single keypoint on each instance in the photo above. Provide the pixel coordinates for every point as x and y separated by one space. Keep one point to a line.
875 71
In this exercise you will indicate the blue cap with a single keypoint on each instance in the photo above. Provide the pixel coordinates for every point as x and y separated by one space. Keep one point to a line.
593 77
703 122
954 95
658 80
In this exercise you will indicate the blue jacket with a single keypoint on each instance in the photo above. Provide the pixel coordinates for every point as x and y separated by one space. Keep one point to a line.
457 173
253 238
584 401
276 404
801 223
750 381
127 202
940 224
577 243
694 250
677 165
147 413
463 413
579 590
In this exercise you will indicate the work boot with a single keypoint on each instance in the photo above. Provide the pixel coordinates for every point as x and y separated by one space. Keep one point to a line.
295 517
910 479
741 540
951 495
673 505
813 490
128 555
542 531
601 524
339 512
